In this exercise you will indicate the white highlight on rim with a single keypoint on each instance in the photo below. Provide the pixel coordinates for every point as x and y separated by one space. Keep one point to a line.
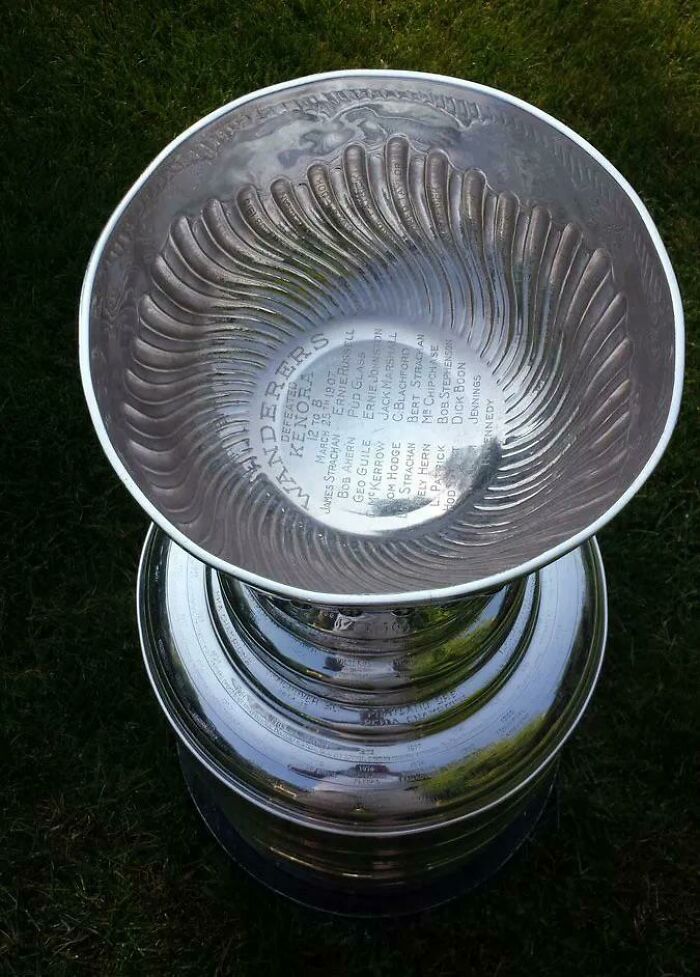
193 746
404 597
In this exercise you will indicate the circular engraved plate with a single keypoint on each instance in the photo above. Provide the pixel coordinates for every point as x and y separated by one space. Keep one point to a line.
374 425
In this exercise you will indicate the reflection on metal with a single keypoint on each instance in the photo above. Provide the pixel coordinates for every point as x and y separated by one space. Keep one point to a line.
371 751
379 352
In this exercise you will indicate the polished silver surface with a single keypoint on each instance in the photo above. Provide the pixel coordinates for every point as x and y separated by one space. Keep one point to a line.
381 338
371 721
378 352
377 747
378 876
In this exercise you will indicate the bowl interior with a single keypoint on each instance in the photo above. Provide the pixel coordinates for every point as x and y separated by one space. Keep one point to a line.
380 338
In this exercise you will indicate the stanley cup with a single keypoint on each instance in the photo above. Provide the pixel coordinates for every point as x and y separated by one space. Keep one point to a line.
378 353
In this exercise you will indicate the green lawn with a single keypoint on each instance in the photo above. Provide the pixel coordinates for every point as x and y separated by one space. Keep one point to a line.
106 869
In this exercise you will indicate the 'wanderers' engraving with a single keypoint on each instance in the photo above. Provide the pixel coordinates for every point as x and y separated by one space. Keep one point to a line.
369 426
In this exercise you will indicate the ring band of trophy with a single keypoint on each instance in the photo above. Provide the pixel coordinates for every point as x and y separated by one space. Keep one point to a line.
378 353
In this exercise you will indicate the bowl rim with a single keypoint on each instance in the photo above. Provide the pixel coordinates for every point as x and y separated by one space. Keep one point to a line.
433 594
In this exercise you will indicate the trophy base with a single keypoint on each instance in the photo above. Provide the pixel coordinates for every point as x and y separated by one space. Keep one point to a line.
362 900
370 761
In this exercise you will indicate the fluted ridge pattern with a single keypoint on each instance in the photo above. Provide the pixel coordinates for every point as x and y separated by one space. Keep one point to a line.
401 235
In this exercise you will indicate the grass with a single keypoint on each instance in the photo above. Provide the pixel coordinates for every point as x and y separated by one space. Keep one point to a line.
105 867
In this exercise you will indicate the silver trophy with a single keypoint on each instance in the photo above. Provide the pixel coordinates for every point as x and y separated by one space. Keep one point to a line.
378 353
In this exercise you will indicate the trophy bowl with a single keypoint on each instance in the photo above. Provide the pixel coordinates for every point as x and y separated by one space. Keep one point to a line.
378 352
